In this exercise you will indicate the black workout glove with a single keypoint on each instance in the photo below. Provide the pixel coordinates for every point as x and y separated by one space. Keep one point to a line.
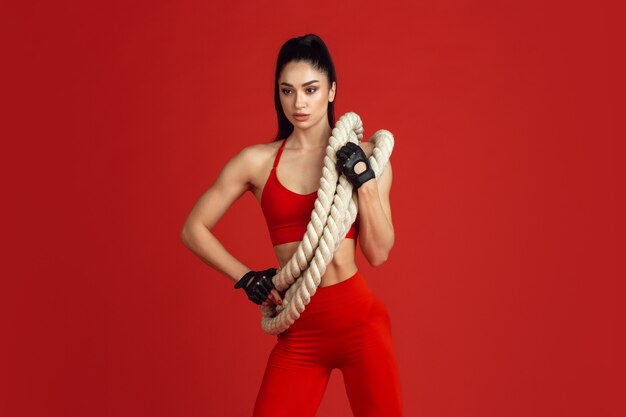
257 284
348 156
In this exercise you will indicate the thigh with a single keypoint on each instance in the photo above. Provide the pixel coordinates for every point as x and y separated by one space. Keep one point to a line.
291 386
371 375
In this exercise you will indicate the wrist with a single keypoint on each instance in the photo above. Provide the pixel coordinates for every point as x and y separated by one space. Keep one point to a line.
363 178
368 188
239 271
243 281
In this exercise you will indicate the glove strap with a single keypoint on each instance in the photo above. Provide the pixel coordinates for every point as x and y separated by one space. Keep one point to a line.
243 282
364 176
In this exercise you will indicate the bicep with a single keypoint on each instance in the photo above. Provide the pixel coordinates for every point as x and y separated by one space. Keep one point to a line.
231 183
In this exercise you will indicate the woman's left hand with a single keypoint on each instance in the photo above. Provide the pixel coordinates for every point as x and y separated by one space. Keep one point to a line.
353 163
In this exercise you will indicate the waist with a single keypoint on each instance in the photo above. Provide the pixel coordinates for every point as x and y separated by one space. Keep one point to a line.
333 310
342 265
352 290
295 232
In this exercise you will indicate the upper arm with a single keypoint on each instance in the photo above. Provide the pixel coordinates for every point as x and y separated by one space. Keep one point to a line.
231 183
384 190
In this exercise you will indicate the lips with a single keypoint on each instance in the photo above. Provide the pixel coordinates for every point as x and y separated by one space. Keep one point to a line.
301 116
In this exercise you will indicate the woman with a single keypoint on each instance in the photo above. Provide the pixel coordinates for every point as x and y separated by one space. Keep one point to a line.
345 325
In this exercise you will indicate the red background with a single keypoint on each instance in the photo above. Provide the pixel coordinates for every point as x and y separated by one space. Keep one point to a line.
502 285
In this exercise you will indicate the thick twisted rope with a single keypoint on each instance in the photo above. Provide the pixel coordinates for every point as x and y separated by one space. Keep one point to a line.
335 210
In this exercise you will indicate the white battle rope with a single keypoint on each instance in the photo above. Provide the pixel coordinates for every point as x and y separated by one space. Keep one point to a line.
335 210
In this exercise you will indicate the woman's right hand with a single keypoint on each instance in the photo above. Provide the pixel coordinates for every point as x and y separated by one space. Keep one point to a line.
259 287
275 298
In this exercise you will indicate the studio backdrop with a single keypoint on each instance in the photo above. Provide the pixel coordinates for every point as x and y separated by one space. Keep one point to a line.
500 285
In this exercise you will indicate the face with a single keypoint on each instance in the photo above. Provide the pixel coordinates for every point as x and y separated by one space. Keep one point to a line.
304 90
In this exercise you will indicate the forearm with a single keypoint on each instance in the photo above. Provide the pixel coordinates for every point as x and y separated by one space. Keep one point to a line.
208 248
377 234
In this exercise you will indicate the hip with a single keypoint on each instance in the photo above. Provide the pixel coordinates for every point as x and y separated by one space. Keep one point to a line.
337 309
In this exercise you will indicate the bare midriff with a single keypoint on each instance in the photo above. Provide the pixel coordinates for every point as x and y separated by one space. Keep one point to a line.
341 267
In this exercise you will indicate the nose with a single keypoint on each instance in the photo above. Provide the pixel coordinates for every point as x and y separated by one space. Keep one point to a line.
300 100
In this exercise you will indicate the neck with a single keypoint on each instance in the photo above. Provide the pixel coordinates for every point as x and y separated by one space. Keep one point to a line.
313 137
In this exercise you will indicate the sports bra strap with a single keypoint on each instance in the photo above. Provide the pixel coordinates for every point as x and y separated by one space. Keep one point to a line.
280 151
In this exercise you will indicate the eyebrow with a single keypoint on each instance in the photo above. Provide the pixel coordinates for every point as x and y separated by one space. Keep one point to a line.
303 85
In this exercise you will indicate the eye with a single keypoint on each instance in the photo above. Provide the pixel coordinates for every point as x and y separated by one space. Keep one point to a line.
286 92
309 89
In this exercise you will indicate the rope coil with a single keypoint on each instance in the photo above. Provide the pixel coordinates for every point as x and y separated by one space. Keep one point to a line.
335 210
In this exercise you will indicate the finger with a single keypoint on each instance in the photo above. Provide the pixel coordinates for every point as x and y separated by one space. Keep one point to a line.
276 297
344 150
352 146
260 292
267 283
256 299
343 154
270 272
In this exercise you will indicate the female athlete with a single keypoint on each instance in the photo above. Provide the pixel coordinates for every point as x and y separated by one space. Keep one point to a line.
345 325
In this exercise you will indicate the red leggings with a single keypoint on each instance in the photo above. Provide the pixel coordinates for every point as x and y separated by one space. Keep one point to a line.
344 326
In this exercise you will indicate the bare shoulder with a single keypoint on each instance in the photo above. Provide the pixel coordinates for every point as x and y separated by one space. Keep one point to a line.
256 155
257 159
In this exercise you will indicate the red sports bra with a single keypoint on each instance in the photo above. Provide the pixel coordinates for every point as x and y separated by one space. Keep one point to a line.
286 212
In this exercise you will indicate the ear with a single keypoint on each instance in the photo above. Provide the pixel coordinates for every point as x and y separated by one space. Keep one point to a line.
331 92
